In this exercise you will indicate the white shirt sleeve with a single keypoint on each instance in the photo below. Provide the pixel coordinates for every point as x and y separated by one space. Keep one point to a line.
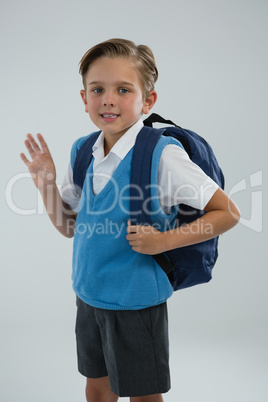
69 193
182 181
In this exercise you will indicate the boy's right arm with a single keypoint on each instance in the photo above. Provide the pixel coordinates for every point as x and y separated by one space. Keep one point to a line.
43 172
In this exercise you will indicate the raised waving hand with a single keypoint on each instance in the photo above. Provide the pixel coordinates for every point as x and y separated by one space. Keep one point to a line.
41 168
43 172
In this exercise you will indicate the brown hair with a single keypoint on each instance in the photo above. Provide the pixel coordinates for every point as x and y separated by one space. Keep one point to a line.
141 55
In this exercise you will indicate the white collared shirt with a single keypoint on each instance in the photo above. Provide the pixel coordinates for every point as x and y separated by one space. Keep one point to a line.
179 179
104 166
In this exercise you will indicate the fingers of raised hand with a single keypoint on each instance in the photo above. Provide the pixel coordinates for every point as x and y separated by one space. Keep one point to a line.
34 149
25 160
32 145
43 144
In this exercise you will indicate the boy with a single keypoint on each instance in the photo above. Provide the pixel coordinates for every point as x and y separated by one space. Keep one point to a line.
121 326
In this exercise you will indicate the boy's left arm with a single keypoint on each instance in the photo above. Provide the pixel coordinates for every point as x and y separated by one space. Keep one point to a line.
221 215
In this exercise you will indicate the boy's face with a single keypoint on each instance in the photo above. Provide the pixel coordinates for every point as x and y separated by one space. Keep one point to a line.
113 96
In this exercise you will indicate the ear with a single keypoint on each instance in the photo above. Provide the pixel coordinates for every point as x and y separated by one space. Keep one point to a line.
149 102
84 99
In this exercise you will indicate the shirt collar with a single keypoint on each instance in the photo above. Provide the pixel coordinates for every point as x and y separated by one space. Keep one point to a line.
123 145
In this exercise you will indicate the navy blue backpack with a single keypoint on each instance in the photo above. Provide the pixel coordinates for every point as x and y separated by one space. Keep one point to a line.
185 266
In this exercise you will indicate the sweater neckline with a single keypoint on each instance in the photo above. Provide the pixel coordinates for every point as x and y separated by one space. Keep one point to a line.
95 198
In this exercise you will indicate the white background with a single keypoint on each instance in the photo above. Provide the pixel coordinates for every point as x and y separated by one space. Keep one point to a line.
212 60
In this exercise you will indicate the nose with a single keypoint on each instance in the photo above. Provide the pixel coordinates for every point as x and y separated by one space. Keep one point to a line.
108 99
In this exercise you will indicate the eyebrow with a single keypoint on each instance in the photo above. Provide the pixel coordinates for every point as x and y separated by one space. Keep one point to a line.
117 83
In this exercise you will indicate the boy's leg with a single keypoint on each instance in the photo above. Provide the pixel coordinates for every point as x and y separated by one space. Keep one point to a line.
131 346
148 398
91 362
98 389
135 345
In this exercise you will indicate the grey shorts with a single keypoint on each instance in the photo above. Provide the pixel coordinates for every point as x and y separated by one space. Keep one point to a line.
129 346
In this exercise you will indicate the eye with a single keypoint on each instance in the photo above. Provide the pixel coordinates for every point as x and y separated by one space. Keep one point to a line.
123 90
97 90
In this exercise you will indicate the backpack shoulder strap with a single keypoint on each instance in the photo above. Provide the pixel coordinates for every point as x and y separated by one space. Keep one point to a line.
141 173
83 159
140 181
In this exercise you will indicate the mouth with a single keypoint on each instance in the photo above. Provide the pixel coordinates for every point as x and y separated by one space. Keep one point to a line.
109 117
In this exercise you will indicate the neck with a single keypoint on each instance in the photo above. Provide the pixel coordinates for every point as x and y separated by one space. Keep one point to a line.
107 147
109 142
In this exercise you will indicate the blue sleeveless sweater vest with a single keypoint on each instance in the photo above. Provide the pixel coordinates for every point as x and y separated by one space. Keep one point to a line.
107 273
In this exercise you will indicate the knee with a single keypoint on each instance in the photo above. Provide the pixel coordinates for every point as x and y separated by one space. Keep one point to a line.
94 395
97 395
148 398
